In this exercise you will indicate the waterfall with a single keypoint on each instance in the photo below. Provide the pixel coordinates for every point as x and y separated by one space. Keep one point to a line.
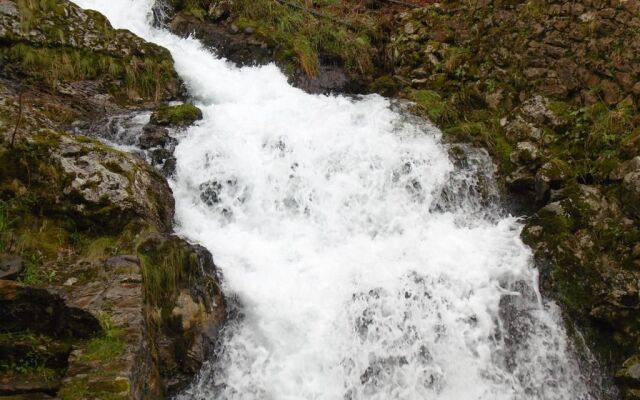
363 258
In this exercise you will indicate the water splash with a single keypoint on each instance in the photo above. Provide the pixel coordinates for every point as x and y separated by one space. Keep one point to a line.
367 263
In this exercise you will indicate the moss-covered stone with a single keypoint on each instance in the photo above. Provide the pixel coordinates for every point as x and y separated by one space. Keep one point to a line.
178 116
183 300
57 43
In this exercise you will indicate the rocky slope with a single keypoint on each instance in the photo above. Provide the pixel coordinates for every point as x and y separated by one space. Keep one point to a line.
550 88
97 298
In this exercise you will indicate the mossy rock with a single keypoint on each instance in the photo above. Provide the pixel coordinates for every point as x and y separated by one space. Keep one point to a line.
177 116
56 44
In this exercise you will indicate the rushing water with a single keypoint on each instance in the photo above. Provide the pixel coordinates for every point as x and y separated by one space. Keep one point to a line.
366 263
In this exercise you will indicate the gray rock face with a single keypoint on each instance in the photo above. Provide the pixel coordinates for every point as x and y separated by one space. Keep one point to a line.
8 8
536 110
110 185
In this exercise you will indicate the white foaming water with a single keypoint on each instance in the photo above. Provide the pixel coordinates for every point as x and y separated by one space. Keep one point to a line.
363 262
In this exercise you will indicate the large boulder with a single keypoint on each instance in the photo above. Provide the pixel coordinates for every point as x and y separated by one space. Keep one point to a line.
77 52
85 183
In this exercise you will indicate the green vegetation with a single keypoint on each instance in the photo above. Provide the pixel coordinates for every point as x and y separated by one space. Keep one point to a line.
34 274
181 115
335 29
142 77
103 388
106 347
432 105
32 10
164 264
35 359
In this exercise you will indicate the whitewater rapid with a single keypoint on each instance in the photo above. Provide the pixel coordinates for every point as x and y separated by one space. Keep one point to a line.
361 260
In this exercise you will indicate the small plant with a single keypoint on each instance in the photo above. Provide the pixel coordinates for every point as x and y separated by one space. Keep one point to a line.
108 346
33 273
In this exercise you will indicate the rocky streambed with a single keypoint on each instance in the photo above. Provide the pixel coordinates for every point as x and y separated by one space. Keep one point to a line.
99 299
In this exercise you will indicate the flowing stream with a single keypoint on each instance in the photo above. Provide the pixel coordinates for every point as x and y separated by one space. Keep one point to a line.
362 260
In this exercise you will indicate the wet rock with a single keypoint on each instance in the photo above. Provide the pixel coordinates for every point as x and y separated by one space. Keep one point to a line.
159 156
169 166
10 266
521 180
552 175
177 116
154 136
526 153
192 299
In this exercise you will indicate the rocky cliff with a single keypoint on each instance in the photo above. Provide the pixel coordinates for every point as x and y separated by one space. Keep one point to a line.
98 299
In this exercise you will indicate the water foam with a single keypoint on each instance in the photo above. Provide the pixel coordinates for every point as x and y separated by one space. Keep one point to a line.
364 261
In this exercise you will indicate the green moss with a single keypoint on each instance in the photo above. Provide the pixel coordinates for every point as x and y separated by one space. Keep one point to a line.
181 115
385 85
432 104
162 268
98 248
107 347
76 389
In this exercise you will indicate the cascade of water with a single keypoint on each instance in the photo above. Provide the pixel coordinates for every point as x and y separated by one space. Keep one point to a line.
366 262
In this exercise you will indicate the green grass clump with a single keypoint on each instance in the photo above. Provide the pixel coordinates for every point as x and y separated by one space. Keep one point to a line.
432 104
141 77
161 272
301 32
34 274
106 347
